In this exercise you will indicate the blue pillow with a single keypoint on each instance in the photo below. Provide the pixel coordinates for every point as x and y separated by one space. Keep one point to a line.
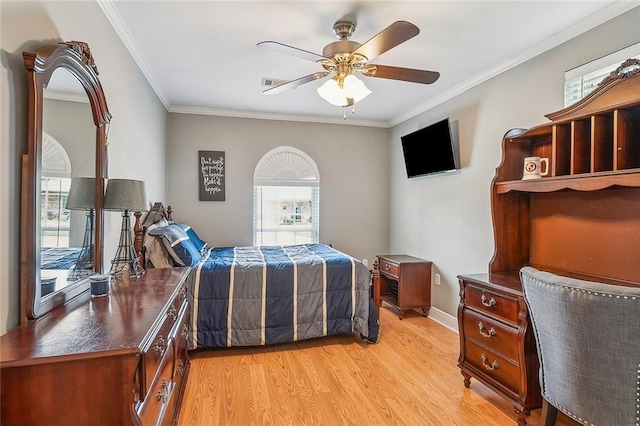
200 245
178 245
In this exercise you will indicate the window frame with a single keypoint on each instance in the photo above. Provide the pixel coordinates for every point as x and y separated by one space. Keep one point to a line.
285 167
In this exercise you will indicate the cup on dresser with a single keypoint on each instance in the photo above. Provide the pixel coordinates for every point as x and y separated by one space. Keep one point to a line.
533 167
99 285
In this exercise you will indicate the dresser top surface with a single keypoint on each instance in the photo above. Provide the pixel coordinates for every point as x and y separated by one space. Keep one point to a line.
505 281
401 258
117 322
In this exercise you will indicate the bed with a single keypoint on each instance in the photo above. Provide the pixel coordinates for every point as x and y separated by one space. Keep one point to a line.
59 257
264 295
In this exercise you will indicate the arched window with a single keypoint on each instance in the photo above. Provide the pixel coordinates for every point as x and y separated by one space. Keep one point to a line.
54 187
286 185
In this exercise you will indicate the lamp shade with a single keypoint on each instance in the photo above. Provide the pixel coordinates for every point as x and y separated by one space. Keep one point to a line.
352 88
125 194
82 194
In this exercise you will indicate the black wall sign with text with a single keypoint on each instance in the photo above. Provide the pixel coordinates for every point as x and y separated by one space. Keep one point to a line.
211 170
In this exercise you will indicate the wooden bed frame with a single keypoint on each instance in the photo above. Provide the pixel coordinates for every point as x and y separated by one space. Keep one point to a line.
156 213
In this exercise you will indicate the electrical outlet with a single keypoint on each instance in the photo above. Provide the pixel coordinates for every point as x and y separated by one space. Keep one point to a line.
437 279
365 262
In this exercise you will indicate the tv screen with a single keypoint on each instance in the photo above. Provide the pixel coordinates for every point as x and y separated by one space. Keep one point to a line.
430 150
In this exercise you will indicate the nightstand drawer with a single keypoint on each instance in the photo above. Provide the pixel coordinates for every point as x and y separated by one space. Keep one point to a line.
492 303
493 365
389 268
490 333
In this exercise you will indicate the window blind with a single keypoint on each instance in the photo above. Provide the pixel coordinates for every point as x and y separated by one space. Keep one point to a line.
582 80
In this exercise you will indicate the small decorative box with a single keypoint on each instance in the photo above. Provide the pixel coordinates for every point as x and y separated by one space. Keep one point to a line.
99 285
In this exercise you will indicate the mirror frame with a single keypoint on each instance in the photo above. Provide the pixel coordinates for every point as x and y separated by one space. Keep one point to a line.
76 58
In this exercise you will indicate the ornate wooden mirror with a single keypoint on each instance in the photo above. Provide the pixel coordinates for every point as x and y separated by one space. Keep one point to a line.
68 116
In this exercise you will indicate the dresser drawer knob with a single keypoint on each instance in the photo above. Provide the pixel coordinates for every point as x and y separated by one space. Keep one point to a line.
159 347
163 395
180 368
484 332
185 331
387 267
493 366
488 304
172 313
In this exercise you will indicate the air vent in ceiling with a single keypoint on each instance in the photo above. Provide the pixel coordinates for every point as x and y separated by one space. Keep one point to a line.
272 82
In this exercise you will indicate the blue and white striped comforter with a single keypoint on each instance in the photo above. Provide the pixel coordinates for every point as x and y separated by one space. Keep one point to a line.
245 296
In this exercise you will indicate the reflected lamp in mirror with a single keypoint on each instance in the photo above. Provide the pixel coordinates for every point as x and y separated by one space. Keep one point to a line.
82 194
125 195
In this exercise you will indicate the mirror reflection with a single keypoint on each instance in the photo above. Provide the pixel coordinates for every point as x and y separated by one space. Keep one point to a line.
67 187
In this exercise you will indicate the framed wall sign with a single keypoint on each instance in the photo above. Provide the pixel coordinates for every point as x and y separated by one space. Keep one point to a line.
211 167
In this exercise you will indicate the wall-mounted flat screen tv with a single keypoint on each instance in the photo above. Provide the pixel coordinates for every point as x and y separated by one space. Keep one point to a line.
430 150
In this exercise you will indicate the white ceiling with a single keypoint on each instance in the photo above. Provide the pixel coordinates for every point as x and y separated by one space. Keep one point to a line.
201 56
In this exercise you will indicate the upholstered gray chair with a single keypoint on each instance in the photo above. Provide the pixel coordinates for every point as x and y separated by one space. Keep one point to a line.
588 339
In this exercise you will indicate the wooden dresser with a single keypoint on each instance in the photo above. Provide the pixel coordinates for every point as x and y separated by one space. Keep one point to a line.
402 281
113 360
582 220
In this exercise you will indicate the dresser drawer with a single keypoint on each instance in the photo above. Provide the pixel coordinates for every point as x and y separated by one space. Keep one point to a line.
389 268
182 364
492 303
158 346
493 334
158 400
179 335
493 366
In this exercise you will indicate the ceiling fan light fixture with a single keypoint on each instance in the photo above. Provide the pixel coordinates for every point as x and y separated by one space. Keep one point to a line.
352 91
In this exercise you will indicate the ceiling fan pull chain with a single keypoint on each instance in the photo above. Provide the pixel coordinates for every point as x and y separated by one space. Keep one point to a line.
344 112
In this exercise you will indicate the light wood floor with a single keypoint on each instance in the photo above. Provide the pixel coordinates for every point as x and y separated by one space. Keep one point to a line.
409 377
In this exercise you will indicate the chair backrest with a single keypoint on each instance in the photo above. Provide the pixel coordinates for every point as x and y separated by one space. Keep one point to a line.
588 339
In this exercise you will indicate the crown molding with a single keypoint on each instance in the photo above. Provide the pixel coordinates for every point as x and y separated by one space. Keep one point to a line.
66 96
567 34
121 29
272 116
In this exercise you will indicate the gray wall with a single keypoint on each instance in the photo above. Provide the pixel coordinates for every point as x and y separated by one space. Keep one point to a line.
137 130
354 177
447 218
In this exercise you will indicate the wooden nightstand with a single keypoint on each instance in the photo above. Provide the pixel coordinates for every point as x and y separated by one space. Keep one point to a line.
402 281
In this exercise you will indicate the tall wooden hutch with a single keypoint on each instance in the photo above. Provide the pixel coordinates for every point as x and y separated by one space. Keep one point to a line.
581 220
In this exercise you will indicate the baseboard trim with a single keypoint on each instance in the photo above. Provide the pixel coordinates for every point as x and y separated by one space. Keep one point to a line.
444 319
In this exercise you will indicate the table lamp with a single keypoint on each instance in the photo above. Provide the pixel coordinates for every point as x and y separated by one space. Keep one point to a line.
125 195
82 194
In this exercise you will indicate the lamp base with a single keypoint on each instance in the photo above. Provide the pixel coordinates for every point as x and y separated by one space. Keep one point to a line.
126 258
84 263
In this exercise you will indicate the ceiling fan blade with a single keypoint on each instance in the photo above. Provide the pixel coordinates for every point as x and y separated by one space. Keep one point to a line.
390 37
295 83
289 50
398 73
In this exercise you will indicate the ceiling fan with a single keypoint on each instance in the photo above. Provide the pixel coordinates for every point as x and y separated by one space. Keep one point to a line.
344 58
